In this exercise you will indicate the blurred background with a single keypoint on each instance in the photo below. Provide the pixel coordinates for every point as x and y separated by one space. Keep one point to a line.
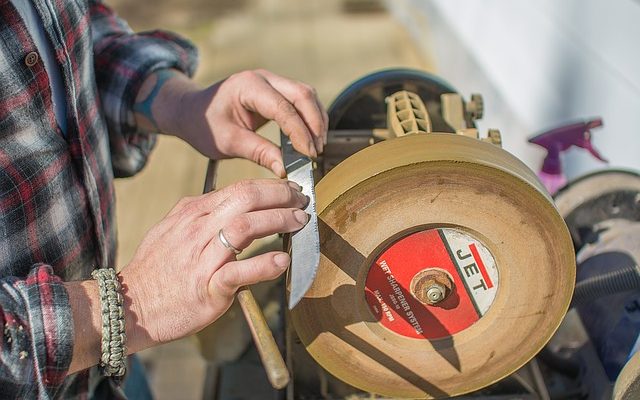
537 64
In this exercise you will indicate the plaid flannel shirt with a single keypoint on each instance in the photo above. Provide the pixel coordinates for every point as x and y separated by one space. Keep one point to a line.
56 192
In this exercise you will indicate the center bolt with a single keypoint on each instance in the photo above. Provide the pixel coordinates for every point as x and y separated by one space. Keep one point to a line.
436 292
431 286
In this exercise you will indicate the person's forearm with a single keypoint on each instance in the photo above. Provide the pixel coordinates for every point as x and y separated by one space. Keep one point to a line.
87 322
161 100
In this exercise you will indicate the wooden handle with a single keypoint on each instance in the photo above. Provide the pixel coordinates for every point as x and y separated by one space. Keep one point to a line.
272 361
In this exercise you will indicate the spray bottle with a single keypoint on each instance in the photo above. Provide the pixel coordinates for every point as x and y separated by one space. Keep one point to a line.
558 140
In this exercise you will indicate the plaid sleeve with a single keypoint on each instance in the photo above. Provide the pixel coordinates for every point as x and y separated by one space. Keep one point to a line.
37 337
122 61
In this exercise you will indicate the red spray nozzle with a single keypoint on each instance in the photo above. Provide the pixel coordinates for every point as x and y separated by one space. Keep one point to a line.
562 138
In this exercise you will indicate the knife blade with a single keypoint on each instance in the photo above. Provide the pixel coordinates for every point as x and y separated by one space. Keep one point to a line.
305 243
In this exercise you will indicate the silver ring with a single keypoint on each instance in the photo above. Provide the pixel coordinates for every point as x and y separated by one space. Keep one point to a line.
226 243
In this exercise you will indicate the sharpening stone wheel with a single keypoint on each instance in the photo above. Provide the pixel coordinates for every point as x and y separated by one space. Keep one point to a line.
406 213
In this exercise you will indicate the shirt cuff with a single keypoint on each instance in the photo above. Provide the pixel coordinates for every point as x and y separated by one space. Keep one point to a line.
41 328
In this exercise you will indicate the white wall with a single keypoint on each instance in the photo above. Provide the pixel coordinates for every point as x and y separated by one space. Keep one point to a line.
538 64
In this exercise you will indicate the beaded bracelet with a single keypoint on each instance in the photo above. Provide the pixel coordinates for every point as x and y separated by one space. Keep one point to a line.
113 359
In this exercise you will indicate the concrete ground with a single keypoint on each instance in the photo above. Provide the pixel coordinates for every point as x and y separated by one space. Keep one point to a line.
326 43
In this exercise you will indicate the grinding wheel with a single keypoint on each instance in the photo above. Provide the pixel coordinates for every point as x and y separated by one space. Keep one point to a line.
627 385
434 210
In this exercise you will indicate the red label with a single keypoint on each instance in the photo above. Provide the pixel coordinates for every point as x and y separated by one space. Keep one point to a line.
389 279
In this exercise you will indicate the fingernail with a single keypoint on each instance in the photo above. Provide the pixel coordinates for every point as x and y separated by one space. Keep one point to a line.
295 186
319 145
282 260
305 199
312 150
301 216
278 169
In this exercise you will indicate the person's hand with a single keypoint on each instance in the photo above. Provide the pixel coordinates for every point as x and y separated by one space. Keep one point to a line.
182 277
221 120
